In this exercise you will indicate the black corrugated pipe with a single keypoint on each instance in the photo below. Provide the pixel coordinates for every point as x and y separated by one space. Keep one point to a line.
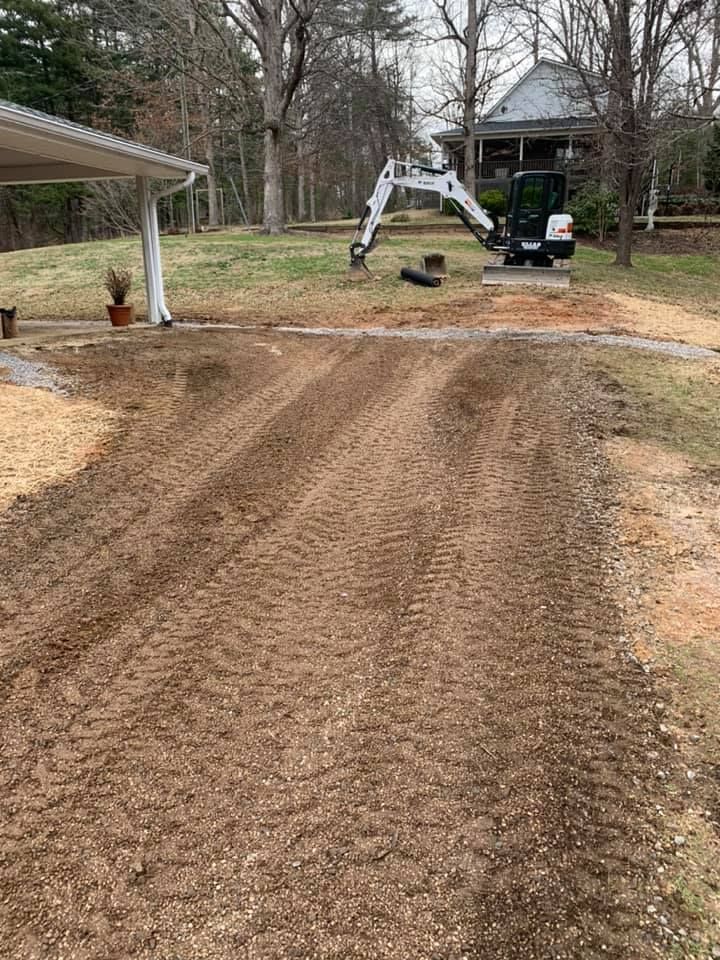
417 276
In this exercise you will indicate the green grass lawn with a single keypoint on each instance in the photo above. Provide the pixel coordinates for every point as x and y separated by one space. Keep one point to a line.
298 277
670 402
689 279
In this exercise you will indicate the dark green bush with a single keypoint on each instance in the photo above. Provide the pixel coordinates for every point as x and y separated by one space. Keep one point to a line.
594 210
494 201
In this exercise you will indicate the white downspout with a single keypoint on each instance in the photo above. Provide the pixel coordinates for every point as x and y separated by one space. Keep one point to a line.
165 315
148 258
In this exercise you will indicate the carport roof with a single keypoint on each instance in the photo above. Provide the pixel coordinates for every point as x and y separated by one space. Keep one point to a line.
36 147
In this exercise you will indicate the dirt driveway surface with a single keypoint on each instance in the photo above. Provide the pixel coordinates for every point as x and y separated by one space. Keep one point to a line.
320 660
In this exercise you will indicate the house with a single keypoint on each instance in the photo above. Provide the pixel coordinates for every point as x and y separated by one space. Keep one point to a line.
544 122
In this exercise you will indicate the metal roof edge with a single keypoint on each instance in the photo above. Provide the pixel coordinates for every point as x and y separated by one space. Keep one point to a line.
60 128
581 123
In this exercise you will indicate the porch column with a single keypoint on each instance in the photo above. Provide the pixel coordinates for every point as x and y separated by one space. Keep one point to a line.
153 280
522 151
479 152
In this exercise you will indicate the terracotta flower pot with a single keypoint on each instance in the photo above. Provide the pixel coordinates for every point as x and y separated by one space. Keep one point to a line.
120 314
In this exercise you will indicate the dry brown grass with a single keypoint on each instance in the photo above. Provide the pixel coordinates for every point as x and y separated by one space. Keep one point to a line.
45 438
669 528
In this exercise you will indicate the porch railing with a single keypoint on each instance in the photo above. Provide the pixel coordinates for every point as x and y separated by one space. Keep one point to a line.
497 169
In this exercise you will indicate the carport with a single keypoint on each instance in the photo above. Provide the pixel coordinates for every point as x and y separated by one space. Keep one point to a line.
38 148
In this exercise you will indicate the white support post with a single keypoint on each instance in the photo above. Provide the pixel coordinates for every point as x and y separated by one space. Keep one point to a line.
480 158
522 151
153 283
157 308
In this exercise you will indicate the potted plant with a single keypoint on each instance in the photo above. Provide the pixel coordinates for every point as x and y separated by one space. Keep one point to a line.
118 284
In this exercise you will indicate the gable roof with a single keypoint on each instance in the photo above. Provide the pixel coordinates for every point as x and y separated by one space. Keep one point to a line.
542 63
547 97
37 147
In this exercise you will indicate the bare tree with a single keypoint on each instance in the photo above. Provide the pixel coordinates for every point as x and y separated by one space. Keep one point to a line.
278 29
625 53
701 38
475 37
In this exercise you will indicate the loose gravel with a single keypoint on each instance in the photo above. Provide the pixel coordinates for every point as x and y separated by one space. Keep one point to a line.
320 661
681 350
27 373
671 348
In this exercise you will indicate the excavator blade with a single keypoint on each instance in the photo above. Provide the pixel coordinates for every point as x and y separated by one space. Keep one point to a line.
434 264
357 271
497 275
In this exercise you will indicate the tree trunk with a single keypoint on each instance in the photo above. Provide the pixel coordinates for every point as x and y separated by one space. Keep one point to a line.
313 217
623 249
378 105
249 206
213 219
469 104
203 102
273 199
353 160
301 193
629 194
278 31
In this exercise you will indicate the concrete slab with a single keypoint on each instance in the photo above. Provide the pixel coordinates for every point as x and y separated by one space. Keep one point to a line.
45 334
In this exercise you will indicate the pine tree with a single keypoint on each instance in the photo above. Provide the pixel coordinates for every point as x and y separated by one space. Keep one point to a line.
47 58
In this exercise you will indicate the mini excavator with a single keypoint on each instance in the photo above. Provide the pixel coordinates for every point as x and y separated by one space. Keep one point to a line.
536 237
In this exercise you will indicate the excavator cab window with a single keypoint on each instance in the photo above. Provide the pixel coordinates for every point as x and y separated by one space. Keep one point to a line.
556 193
533 198
530 208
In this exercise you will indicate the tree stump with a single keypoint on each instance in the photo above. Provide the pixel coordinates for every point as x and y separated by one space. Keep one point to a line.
9 325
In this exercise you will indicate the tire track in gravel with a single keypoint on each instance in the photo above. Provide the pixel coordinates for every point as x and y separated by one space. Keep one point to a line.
349 444
169 437
547 801
386 721
202 461
340 467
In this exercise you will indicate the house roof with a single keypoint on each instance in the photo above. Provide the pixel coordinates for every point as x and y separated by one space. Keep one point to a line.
545 94
500 128
36 147
537 66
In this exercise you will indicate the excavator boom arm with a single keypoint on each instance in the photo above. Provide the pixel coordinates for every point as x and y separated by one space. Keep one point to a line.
415 176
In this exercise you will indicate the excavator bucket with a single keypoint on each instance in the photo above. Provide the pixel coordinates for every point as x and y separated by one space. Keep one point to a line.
434 264
499 275
357 271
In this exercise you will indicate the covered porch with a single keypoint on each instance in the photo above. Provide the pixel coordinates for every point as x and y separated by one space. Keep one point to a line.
507 147
499 158
38 148
504 157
